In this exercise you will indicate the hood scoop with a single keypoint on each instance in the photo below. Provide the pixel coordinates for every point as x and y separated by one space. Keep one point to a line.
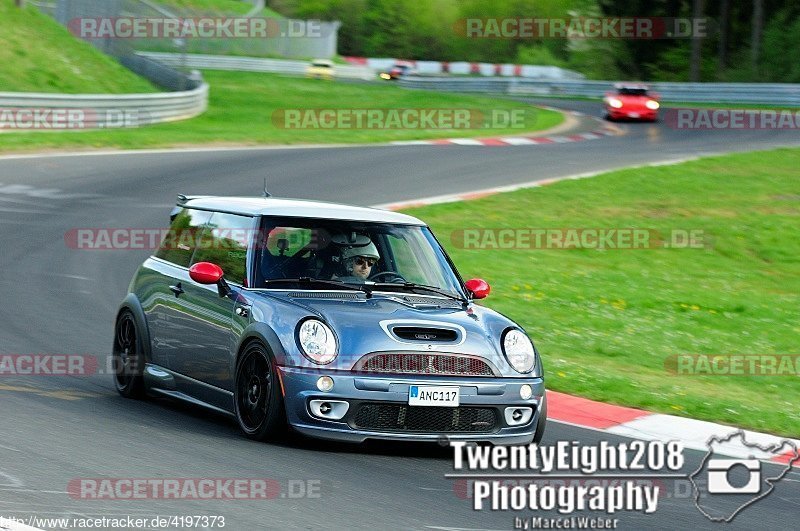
425 334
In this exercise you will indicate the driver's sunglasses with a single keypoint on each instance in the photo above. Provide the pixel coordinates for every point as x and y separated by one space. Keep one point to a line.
361 261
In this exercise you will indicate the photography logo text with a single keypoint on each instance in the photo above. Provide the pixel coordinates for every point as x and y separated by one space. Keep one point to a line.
626 462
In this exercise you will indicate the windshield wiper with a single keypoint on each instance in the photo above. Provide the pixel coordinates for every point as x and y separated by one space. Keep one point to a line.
424 287
309 280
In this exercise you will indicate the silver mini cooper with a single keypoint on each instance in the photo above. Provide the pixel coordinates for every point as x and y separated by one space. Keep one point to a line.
340 322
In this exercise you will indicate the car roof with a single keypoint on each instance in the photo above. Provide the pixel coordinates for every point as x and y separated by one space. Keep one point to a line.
273 206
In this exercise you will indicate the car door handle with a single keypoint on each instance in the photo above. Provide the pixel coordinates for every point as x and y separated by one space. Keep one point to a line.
177 289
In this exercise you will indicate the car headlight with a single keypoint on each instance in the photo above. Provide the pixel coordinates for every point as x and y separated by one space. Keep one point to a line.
614 102
652 105
317 341
518 349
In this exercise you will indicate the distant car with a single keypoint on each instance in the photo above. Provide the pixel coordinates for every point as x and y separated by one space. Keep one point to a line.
321 69
632 101
397 71
342 322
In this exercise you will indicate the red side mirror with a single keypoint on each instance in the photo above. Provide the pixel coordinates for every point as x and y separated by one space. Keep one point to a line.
479 288
206 273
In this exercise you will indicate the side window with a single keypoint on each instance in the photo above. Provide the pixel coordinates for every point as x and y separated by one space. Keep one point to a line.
225 242
286 241
181 239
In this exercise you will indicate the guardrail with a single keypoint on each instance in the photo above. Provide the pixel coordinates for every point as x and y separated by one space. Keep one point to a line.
754 93
368 70
251 64
24 110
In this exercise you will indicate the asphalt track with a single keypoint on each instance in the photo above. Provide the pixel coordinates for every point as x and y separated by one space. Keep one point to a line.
54 299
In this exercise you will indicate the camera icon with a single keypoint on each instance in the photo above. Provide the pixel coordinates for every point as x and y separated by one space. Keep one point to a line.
719 482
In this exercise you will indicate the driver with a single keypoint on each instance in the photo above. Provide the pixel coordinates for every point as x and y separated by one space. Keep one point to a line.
359 261
358 256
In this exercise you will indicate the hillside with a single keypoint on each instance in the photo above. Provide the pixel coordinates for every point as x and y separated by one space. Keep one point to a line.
39 55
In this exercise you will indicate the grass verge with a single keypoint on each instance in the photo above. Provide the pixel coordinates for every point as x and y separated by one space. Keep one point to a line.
608 322
241 111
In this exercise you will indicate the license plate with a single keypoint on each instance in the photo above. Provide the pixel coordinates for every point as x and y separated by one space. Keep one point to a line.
633 114
433 395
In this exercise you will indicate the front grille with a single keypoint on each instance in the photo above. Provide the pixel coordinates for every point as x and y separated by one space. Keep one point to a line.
425 363
402 417
420 333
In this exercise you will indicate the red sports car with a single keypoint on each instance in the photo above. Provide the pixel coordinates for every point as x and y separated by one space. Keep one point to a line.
631 101
397 71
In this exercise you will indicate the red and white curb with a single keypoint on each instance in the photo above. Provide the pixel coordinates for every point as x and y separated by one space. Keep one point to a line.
644 425
509 140
460 67
523 140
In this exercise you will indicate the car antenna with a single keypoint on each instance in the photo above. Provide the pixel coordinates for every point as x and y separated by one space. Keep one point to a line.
266 194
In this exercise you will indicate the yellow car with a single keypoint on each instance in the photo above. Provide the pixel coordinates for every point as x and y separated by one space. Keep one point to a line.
321 69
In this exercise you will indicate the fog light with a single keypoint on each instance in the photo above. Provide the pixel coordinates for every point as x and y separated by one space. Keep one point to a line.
328 409
525 392
325 383
517 416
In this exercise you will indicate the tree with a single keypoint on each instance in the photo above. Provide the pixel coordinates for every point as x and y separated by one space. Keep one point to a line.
758 28
722 44
697 44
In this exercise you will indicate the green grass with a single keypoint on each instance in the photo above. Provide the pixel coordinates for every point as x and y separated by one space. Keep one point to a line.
242 104
605 322
234 7
39 55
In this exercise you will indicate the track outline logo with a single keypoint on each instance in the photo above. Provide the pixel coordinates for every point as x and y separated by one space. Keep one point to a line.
769 448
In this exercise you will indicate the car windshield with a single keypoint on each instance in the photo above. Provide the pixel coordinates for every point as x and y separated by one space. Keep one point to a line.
321 64
354 253
632 92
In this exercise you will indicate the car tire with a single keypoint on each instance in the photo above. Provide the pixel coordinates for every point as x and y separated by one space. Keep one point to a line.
259 404
128 360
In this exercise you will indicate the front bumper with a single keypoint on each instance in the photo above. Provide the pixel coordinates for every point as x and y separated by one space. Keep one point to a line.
630 114
300 387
